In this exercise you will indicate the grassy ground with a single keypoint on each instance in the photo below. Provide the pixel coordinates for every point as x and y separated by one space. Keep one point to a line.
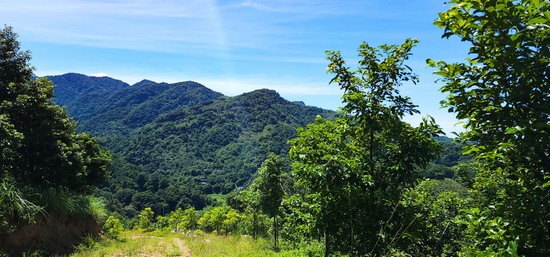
218 197
135 243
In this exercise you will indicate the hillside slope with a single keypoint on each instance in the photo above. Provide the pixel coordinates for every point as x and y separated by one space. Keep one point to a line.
104 106
175 143
213 147
71 86
222 140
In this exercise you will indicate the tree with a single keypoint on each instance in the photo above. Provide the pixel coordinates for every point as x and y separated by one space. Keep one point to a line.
357 166
10 140
222 220
176 219
247 201
189 219
42 148
269 187
502 94
145 218
112 228
13 69
434 230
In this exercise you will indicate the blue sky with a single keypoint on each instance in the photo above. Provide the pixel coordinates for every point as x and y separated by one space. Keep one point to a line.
233 46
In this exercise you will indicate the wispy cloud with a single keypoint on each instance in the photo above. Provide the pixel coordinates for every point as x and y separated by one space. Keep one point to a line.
120 8
259 6
320 7
164 25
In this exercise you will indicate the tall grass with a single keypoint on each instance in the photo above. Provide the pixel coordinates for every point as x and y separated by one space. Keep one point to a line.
19 205
14 206
60 202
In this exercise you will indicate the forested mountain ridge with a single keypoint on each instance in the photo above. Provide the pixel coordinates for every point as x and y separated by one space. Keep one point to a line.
223 140
109 108
174 143
134 107
72 86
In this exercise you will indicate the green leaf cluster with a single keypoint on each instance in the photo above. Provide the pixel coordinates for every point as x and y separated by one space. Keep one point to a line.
146 218
221 220
112 228
357 167
39 145
502 94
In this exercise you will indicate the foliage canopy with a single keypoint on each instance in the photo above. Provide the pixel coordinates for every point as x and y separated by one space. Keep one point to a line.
502 94
357 166
41 148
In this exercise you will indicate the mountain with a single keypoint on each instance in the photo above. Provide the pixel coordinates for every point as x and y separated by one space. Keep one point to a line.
111 107
174 143
72 86
223 140
138 105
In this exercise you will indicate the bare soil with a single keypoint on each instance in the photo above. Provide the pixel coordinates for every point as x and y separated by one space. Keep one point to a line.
52 234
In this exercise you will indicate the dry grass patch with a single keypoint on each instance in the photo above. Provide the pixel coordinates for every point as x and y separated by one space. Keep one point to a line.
212 245
135 243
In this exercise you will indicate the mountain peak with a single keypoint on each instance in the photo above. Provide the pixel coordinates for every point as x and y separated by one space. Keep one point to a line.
262 96
143 83
70 86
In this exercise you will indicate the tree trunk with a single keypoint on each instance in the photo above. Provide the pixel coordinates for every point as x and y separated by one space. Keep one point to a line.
276 232
327 252
371 146
255 226
351 230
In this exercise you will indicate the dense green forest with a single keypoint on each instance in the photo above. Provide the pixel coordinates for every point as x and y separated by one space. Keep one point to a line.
195 144
360 182
175 143
107 107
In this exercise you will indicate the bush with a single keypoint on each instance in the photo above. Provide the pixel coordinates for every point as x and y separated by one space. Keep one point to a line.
223 220
145 218
112 228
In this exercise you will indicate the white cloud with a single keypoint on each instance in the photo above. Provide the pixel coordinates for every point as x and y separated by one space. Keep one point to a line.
231 86
236 87
101 74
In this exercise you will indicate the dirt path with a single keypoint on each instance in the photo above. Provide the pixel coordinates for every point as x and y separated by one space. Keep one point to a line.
162 248
185 252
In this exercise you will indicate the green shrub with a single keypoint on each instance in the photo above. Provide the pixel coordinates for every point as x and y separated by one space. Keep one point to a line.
112 228
145 218
162 222
189 219
222 220
61 202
